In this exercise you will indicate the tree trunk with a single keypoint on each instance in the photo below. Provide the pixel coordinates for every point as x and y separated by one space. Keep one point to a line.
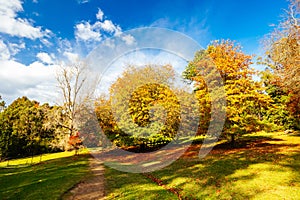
32 153
232 142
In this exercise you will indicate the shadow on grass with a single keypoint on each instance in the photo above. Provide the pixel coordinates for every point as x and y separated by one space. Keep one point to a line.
237 173
46 180
120 185
296 134
262 167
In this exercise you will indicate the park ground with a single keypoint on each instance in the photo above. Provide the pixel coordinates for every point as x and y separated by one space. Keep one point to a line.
261 166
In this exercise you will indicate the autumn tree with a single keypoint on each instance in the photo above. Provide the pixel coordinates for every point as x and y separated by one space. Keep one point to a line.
106 119
133 96
144 106
283 56
245 98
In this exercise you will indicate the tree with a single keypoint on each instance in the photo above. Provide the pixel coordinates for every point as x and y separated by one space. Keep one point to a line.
195 75
54 116
104 114
77 86
2 104
137 93
283 56
22 131
245 98
75 142
144 106
278 114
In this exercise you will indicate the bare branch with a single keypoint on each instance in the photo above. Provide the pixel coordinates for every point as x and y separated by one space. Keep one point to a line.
72 81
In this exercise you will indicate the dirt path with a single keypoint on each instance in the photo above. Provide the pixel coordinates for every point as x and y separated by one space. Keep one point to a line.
91 188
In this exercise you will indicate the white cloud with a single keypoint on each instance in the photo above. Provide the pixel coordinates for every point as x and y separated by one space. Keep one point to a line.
100 14
16 48
82 1
128 39
7 50
85 31
46 42
4 51
109 26
72 57
139 58
163 22
64 45
45 58
37 81
14 26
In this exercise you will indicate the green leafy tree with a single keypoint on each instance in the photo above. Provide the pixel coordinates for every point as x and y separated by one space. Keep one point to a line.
22 129
278 114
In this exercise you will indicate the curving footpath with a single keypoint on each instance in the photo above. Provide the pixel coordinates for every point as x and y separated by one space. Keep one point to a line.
92 188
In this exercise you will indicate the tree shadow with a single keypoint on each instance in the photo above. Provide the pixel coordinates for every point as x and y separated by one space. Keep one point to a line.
297 134
215 176
47 180
121 185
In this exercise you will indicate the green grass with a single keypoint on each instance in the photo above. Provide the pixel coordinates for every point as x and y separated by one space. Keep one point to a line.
262 166
37 159
46 180
120 185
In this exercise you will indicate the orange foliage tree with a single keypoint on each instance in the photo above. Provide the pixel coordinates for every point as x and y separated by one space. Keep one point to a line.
246 101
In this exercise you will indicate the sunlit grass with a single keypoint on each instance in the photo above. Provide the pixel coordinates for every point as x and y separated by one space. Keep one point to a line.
44 180
39 158
263 166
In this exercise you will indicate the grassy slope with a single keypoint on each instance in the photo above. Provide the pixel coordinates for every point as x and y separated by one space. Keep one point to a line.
268 168
46 180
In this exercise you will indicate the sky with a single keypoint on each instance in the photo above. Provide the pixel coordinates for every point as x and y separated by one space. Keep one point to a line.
38 35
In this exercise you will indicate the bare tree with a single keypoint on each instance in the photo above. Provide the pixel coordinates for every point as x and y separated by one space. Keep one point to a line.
283 49
77 85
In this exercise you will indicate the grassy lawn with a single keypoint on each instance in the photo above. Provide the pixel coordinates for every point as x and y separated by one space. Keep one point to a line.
262 166
46 180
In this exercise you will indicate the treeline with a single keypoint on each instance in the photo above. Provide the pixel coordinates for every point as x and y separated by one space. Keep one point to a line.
28 128
271 104
146 108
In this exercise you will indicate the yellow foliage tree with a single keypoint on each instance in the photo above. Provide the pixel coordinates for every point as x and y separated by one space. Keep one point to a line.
143 107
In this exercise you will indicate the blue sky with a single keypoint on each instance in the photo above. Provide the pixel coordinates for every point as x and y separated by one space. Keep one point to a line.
35 35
